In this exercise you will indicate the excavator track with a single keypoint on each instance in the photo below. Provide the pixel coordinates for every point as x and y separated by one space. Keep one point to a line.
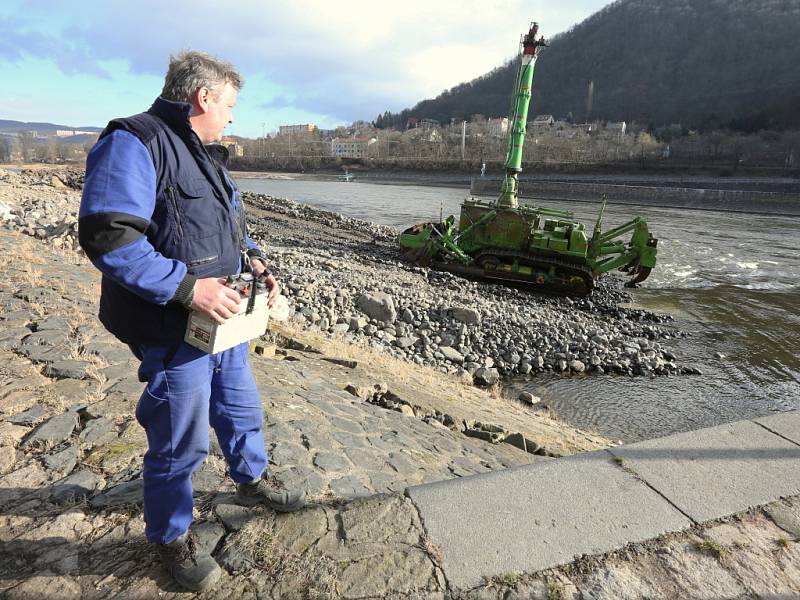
551 275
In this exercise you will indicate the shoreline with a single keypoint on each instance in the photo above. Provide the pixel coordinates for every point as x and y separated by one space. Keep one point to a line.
693 193
563 348
450 323
768 195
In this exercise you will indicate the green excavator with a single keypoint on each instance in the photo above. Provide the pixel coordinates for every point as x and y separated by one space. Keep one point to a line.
533 246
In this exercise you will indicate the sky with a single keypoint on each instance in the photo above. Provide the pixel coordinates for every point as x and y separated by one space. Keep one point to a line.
305 61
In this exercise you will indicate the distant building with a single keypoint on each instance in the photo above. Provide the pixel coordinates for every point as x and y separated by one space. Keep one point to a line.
498 127
415 123
233 146
72 132
351 147
543 121
296 129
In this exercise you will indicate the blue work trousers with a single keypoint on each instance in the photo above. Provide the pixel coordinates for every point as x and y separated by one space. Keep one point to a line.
186 390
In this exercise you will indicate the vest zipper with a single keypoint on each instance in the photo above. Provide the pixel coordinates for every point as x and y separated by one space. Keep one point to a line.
237 232
237 212
176 213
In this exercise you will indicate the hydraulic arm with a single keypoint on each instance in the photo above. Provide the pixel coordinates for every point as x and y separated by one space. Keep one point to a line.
522 97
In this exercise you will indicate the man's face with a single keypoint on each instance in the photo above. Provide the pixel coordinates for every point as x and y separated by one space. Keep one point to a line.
217 111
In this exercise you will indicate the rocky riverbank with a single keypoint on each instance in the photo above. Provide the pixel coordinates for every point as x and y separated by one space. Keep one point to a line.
42 203
71 455
347 278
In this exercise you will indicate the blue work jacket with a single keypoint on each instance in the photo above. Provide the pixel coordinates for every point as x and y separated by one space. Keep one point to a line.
159 210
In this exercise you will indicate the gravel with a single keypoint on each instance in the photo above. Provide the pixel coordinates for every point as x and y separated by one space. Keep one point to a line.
43 204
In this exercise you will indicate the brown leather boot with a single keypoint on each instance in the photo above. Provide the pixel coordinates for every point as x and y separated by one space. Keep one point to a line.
272 493
192 569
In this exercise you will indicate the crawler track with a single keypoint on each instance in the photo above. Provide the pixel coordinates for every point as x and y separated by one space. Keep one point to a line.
555 276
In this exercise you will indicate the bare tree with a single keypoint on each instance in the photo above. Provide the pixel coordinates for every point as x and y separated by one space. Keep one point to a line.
27 146
5 150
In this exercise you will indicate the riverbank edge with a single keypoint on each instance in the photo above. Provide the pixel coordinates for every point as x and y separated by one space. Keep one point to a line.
744 466
388 549
687 198
751 202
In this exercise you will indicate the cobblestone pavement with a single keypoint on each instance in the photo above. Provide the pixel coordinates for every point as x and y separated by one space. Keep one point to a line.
335 445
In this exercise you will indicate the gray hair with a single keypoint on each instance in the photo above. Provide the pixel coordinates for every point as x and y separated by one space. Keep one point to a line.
190 70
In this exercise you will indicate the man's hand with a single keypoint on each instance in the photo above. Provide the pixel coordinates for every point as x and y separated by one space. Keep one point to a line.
274 289
259 267
214 299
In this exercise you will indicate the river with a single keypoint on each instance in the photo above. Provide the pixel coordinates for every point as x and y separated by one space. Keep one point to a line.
732 280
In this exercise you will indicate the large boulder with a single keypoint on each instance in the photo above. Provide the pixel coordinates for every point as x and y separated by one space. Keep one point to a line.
486 376
6 213
452 354
280 311
405 342
470 316
577 366
378 305
529 398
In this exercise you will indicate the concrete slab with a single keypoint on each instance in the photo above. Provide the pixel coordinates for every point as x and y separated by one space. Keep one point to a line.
537 516
715 472
786 424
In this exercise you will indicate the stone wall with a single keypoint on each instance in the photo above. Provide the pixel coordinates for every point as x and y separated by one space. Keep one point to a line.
667 197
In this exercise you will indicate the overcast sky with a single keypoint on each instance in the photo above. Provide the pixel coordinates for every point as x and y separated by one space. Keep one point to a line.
323 62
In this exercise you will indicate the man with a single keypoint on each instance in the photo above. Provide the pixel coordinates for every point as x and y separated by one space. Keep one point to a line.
162 220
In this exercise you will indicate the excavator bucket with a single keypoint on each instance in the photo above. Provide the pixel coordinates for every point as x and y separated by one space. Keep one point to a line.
639 268
417 245
638 275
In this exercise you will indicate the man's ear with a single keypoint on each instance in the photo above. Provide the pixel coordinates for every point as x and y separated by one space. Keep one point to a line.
201 98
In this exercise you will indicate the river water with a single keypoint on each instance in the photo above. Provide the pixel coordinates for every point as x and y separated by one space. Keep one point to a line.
732 280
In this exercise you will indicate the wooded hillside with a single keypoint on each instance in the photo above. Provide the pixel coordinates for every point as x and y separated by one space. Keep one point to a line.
701 63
